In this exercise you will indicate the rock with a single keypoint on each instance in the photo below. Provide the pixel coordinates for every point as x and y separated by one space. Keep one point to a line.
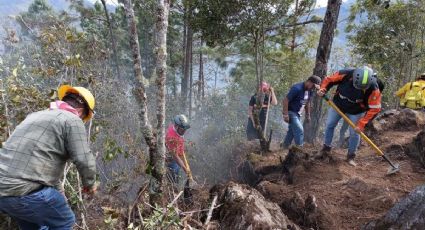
409 213
418 148
245 208
398 120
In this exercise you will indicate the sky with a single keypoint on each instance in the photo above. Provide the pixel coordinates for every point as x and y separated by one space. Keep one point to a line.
111 2
323 3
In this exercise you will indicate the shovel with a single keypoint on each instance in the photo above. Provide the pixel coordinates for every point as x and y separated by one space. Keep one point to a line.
394 167
188 187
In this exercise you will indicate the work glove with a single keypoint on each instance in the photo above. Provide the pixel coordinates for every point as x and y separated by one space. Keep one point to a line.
358 130
90 190
321 92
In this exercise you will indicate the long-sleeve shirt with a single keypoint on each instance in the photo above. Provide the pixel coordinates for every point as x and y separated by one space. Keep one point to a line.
36 153
173 141
351 100
401 93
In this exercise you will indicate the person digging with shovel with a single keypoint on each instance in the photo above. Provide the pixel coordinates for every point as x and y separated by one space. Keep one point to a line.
174 142
358 97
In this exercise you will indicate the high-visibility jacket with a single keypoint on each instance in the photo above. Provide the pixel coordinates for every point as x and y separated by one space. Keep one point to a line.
351 100
412 95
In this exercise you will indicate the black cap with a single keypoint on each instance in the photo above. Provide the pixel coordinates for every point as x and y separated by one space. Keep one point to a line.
315 79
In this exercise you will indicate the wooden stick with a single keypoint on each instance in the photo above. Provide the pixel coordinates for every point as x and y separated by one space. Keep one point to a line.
164 215
211 210
267 115
176 198
202 210
140 215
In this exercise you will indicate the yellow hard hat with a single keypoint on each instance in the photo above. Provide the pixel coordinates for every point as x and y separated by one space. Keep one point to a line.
83 92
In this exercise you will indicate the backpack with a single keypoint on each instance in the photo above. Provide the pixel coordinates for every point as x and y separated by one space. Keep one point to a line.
379 83
414 98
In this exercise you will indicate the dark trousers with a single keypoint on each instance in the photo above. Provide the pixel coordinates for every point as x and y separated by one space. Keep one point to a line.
251 132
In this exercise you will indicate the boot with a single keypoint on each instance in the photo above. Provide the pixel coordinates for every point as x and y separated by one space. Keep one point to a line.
324 153
350 160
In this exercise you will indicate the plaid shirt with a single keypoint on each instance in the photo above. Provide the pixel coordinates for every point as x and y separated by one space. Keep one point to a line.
36 153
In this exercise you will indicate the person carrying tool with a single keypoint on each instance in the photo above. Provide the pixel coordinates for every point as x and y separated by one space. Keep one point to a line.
298 99
344 126
357 93
174 141
269 96
33 158
412 94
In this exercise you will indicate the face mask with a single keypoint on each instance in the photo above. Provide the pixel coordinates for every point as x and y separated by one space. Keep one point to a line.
180 131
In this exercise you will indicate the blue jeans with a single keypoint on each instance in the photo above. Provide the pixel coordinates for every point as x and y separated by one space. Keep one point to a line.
295 130
44 209
173 171
332 122
342 131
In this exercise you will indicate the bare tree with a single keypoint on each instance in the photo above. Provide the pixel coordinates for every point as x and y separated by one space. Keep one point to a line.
156 144
161 27
322 58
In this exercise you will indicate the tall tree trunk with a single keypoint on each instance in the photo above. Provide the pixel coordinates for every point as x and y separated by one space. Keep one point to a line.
257 60
203 81
190 77
161 27
294 29
113 41
140 95
174 79
320 69
188 45
183 83
259 49
201 73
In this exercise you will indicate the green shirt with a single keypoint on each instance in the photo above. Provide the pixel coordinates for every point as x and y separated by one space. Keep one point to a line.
36 152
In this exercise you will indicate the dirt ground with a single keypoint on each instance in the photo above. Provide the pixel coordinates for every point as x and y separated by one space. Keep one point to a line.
344 196
349 197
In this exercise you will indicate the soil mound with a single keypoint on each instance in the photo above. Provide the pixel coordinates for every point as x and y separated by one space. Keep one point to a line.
398 120
417 150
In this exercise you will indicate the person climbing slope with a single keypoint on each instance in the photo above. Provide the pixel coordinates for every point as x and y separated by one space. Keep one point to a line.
357 94
296 100
32 162
251 130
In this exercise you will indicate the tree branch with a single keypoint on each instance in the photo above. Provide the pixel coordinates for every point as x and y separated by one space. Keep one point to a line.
295 24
